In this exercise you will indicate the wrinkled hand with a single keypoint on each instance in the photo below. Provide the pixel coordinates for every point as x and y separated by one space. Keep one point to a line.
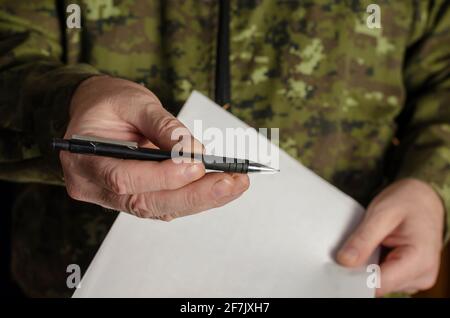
408 218
113 108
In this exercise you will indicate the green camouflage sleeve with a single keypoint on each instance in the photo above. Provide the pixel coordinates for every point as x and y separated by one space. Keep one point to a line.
425 143
35 88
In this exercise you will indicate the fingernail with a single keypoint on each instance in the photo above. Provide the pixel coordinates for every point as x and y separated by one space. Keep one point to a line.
193 172
222 188
348 255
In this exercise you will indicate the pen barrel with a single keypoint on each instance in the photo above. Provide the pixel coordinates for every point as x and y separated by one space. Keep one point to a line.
225 164
117 151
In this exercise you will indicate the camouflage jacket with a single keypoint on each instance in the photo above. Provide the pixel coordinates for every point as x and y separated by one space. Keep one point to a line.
358 106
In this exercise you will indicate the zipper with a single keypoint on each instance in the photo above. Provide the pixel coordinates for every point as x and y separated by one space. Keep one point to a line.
223 89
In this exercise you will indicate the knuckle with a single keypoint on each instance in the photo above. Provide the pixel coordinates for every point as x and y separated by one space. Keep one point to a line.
118 180
142 206
153 98
167 123
166 218
74 192
136 205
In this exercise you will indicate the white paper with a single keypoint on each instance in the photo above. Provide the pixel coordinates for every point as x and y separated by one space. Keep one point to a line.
278 240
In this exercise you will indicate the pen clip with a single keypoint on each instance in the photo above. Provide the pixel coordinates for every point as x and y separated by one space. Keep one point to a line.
130 144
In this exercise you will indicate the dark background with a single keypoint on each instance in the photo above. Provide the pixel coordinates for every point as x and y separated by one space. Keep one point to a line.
6 199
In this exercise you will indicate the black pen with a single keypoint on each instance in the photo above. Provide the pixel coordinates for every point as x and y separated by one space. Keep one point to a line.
129 150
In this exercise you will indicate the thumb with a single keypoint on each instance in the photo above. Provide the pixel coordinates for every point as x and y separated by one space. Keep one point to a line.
368 235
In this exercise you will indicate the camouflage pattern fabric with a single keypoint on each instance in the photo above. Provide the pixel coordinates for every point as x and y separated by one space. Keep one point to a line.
358 106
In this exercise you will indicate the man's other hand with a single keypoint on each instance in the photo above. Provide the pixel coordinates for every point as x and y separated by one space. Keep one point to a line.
408 218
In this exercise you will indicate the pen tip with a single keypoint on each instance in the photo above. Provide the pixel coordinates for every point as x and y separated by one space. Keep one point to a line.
260 168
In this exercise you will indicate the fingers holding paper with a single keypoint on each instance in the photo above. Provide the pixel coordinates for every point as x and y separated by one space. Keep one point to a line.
407 218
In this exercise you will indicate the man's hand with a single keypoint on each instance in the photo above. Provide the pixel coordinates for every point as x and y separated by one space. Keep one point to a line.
118 109
408 218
